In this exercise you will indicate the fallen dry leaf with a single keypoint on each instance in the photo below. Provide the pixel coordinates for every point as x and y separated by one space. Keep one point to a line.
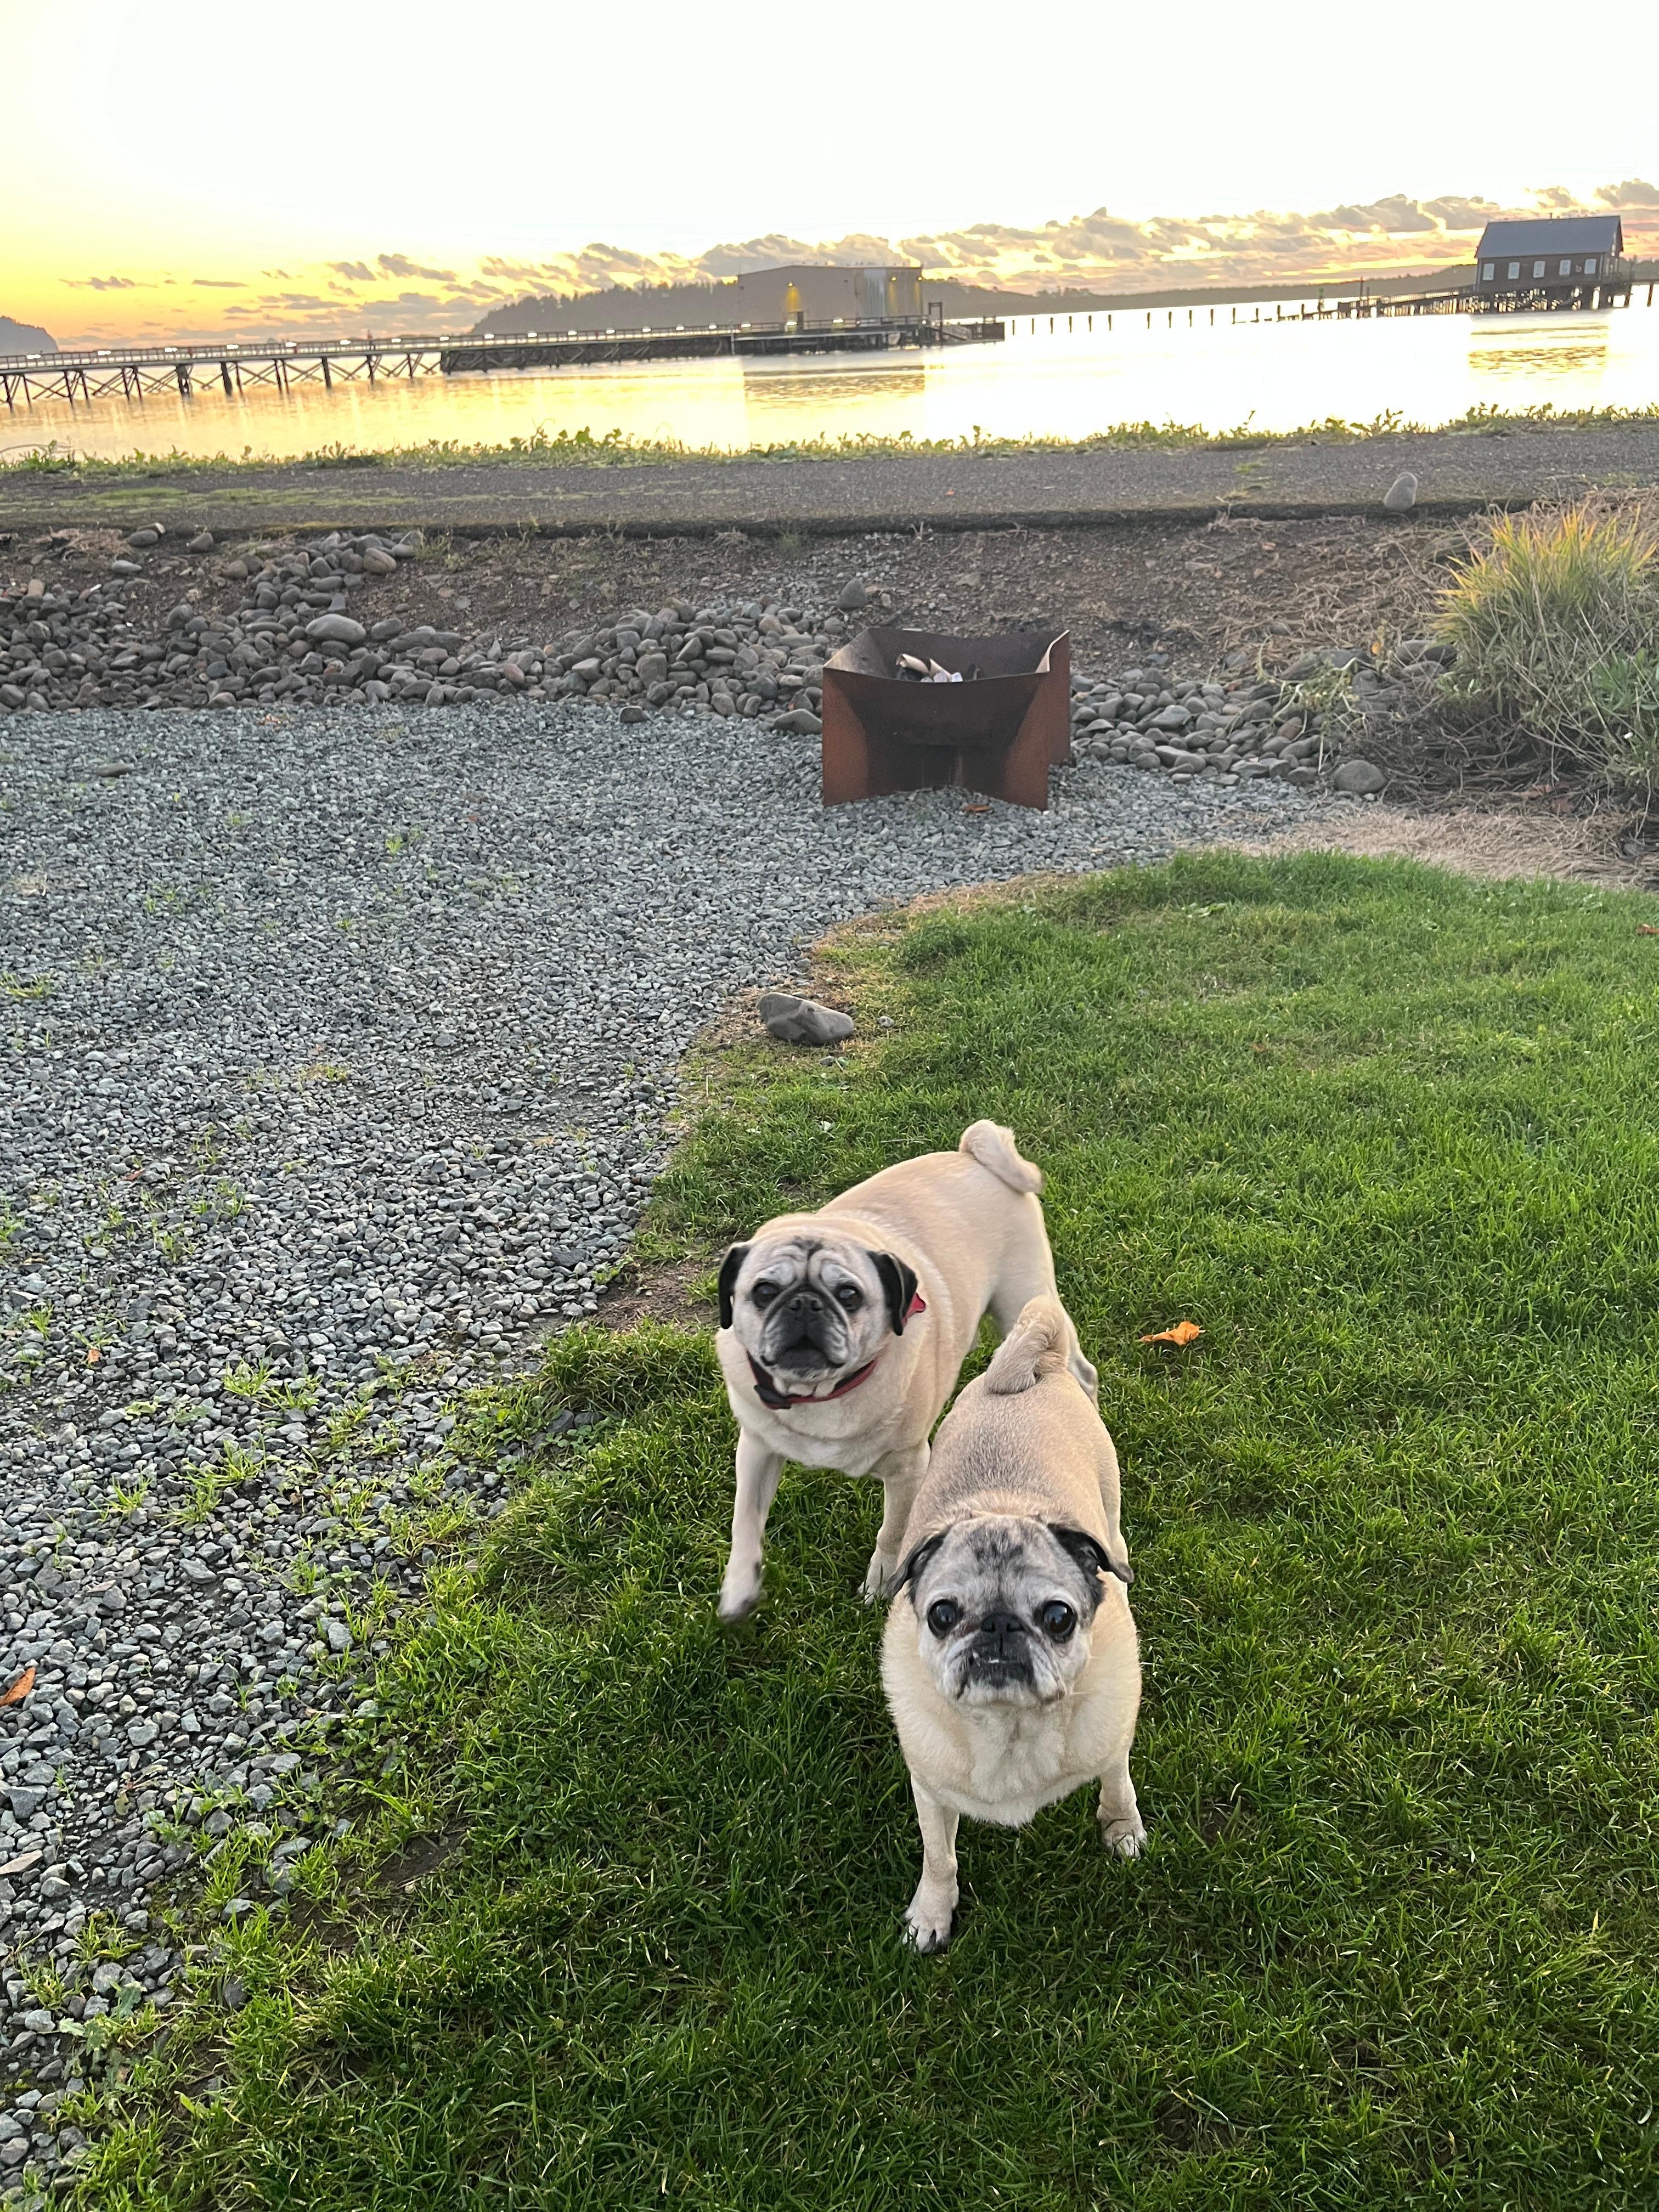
20 1689
1182 1333
93 1355
1646 929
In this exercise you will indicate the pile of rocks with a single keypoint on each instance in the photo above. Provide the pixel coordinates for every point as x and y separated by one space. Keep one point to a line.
296 640
1232 732
77 648
1225 732
755 657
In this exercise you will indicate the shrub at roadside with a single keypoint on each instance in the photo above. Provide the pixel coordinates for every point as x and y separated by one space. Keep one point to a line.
1554 623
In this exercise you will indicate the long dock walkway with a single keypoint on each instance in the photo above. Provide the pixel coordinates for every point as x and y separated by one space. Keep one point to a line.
88 374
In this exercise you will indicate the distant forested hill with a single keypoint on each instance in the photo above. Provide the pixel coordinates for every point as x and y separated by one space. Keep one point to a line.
24 338
629 307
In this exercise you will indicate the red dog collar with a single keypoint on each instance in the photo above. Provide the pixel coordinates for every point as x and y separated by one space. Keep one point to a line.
779 1401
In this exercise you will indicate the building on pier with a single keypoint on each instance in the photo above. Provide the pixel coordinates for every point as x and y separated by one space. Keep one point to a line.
1556 261
828 293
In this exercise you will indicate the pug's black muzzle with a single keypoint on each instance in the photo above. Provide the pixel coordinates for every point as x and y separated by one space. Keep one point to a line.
1000 1650
805 1333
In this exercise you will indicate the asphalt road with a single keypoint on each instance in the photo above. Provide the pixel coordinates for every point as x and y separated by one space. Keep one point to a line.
1457 471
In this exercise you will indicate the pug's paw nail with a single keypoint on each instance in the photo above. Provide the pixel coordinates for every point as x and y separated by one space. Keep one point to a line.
1127 1837
928 1921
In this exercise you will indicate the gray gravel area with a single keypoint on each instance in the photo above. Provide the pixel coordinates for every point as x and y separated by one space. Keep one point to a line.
340 1050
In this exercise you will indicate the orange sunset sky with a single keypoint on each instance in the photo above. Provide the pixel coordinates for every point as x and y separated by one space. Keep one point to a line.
408 169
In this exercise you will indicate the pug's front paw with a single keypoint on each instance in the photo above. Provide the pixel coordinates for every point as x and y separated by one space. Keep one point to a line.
876 1575
927 1923
1127 1838
740 1594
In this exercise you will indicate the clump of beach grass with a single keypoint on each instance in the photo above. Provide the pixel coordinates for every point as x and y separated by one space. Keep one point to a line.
1553 620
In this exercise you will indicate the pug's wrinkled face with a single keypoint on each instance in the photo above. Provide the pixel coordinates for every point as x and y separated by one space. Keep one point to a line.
811 1308
1004 1608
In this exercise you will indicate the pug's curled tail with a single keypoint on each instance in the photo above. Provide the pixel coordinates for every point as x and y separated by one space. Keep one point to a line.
1038 1344
995 1148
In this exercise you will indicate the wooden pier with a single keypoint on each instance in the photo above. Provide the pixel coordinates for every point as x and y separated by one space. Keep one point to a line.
130 372
1614 290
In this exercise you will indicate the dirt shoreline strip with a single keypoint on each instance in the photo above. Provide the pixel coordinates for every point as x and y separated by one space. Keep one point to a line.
1457 472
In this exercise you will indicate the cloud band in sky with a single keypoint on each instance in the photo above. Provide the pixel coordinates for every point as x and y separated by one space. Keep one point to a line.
1099 252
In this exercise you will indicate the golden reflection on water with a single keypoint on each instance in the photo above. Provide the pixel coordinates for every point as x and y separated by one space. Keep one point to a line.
1578 353
1275 375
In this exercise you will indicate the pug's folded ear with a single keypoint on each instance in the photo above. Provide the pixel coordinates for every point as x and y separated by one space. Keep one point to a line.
731 1267
1090 1554
916 1564
898 1284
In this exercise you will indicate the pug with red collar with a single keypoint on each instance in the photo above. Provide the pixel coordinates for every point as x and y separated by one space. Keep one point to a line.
842 1332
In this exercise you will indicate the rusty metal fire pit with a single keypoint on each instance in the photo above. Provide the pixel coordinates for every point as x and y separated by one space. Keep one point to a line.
1000 732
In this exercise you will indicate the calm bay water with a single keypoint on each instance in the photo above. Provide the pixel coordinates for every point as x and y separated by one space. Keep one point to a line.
1063 384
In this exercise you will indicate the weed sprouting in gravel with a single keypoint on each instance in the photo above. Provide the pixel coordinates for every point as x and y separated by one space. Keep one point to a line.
101 1937
249 1382
173 1242
345 1427
437 1526
236 1464
222 1203
304 1574
295 1397
48 1986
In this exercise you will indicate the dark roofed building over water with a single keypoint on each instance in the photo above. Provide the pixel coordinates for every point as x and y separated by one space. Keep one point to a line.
1557 261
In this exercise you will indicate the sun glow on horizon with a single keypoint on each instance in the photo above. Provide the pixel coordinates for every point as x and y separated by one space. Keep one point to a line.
227 182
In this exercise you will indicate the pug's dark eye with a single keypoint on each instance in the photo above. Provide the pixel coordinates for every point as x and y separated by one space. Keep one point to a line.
763 1293
850 1296
1057 1619
943 1615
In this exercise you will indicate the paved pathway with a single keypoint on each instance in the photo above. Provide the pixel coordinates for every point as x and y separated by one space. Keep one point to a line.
1456 470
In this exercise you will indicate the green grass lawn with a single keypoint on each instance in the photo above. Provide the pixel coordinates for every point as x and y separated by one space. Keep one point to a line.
1393 1139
